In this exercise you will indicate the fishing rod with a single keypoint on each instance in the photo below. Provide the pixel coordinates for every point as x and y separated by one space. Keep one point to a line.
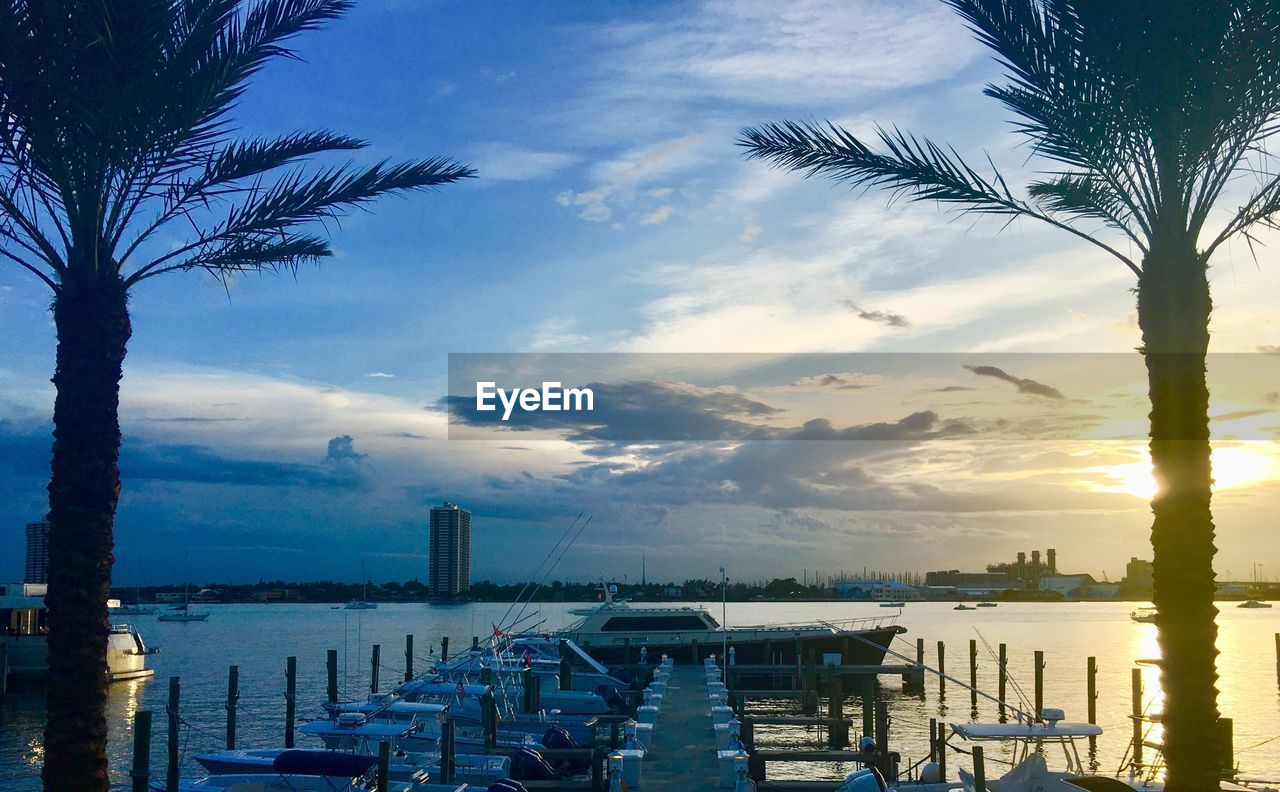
544 560
1018 712
552 568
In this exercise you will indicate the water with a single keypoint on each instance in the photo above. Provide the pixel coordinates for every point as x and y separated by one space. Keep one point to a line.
258 638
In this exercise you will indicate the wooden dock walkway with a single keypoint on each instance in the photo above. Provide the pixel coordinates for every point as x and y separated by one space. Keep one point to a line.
683 757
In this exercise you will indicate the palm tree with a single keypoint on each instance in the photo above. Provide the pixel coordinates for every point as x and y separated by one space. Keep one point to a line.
1143 113
118 164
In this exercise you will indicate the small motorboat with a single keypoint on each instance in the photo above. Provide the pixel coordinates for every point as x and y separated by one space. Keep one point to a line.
962 606
988 605
1254 604
360 605
1143 615
893 604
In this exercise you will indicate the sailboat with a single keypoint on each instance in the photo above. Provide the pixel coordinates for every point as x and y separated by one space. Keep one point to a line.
183 612
363 603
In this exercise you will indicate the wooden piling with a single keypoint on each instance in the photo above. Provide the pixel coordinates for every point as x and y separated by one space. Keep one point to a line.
1135 680
1227 741
408 658
973 673
566 671
374 667
140 773
942 751
1091 672
444 648
1004 679
626 651
1039 683
447 750
837 732
475 643
171 769
331 667
526 681
979 770
693 651
4 668
882 739
290 698
942 670
233 695
933 739
489 719
384 766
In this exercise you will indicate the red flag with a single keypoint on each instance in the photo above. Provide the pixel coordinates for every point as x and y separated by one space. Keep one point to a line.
462 691
496 632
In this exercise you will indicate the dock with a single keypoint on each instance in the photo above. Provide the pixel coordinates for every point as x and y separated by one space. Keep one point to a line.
682 757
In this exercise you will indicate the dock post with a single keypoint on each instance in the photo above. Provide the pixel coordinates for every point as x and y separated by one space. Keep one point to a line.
489 719
942 751
868 706
1278 657
384 766
4 666
475 643
171 770
837 733
373 669
942 669
331 666
1226 738
444 648
933 739
408 658
979 770
973 673
233 694
447 748
290 698
1092 674
1004 678
810 703
1039 684
1136 714
141 771
527 683
889 771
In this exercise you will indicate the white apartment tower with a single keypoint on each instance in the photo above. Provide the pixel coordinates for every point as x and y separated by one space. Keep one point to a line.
450 550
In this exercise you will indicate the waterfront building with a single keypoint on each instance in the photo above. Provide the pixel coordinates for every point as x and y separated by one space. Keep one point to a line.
37 568
1138 578
450 553
954 578
1067 585
875 590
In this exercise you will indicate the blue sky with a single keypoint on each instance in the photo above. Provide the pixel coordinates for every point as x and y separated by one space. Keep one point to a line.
612 213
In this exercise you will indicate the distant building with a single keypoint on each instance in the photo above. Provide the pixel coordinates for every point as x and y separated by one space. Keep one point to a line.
1028 574
876 590
450 555
954 578
1139 578
1067 585
37 569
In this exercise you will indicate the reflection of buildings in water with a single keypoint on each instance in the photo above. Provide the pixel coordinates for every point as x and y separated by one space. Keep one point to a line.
124 698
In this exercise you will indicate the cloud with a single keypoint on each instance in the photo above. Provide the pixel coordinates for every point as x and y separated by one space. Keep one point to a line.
883 317
845 380
1027 386
617 179
750 231
380 375
143 461
504 162
658 215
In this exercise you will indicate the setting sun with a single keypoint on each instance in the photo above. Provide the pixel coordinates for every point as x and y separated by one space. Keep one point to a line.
1233 466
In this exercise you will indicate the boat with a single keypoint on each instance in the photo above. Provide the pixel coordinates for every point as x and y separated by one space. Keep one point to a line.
308 771
133 610
962 606
1254 604
363 603
24 632
614 629
182 613
988 605
893 604
1143 615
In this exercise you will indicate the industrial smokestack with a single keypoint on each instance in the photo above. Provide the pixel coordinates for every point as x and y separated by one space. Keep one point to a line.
1053 561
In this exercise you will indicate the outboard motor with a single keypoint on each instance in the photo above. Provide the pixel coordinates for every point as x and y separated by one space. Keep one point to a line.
622 674
559 737
613 699
868 780
507 785
528 765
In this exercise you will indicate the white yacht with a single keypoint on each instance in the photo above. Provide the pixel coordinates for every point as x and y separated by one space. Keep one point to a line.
606 631
24 629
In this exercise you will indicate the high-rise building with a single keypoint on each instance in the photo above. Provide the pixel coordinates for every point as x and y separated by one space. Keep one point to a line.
37 570
450 550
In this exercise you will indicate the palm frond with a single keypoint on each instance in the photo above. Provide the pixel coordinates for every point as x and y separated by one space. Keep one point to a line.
913 168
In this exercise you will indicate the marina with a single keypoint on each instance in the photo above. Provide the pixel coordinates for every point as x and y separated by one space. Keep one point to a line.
790 728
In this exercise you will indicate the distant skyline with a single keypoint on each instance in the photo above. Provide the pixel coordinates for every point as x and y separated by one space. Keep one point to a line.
291 428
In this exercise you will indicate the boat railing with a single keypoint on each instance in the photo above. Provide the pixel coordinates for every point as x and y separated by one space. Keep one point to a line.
859 623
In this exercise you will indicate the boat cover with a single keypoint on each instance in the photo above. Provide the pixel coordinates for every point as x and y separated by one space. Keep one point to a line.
1023 731
326 728
323 763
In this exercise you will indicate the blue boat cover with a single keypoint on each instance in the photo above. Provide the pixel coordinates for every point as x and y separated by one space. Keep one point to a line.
323 763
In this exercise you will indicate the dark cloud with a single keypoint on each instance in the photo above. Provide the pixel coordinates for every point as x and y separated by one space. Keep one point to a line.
836 381
142 461
1028 386
952 389
883 317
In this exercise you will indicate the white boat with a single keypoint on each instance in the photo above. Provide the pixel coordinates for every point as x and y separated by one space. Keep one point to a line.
182 613
363 603
133 610
24 630
1143 615
615 628
1254 604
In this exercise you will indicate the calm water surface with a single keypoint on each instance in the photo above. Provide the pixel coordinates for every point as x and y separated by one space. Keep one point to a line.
258 638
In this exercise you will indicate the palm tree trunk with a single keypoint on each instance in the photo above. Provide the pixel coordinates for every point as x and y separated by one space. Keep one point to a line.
92 323
1173 313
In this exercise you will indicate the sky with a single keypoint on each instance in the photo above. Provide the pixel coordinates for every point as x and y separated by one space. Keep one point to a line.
286 427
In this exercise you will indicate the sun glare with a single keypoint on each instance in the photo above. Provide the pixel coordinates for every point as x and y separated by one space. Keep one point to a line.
1233 466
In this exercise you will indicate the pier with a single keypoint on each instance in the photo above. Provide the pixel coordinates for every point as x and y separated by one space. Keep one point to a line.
682 757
